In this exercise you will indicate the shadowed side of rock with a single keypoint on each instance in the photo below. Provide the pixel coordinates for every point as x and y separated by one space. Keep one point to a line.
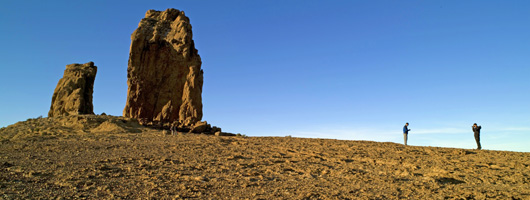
73 94
164 74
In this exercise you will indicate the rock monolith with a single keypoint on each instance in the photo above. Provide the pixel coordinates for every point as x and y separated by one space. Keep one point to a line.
164 74
73 94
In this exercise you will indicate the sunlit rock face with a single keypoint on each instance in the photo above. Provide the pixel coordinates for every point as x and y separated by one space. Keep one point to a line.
164 74
73 94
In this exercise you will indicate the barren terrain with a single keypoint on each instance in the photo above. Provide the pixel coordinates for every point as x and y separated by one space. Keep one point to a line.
108 157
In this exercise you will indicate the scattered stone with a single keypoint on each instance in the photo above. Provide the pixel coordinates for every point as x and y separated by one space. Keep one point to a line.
6 164
73 94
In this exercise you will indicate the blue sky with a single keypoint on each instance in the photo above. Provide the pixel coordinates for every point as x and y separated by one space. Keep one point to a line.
355 70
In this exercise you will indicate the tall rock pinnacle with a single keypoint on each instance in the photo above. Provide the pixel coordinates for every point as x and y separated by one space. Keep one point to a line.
164 75
73 94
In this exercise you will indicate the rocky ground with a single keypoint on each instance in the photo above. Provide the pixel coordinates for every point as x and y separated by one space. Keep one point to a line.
108 157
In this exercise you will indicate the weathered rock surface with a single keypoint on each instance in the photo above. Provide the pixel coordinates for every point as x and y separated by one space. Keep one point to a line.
201 127
164 75
73 94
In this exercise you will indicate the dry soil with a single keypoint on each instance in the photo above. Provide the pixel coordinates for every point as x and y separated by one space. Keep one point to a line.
106 157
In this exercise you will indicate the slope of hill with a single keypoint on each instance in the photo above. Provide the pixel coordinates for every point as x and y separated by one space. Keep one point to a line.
97 157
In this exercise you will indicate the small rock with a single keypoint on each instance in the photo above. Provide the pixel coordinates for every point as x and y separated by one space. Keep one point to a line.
200 127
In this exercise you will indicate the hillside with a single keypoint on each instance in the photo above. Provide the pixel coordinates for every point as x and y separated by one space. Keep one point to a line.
101 157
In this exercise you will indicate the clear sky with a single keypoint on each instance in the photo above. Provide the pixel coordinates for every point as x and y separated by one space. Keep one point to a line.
355 70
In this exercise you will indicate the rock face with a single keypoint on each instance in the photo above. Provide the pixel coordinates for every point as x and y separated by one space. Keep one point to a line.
164 75
73 94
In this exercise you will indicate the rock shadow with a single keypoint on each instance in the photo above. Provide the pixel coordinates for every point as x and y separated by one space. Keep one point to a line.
445 180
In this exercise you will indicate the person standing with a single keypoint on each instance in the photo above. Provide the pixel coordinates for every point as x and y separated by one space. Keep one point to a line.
476 130
406 132
174 128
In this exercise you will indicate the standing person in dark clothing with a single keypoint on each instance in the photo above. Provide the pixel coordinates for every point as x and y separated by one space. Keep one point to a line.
406 132
172 128
476 130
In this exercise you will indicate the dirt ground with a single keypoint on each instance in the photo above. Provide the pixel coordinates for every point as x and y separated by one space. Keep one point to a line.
48 159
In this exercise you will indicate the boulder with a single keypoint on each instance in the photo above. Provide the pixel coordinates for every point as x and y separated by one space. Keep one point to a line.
73 94
201 127
216 129
164 74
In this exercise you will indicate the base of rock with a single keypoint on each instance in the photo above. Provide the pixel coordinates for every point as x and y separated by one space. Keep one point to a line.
201 127
99 124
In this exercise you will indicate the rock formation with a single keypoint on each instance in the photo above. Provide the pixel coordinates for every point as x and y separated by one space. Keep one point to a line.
73 94
164 75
